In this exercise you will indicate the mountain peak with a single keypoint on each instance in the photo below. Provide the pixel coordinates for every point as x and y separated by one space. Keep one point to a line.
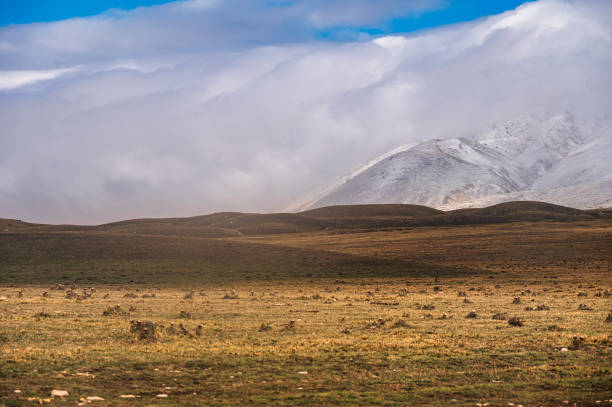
535 157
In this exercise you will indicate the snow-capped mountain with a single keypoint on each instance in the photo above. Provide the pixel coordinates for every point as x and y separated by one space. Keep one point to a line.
556 159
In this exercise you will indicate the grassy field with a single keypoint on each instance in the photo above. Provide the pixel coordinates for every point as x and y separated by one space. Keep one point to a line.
395 316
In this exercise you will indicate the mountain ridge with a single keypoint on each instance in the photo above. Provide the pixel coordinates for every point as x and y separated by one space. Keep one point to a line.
558 159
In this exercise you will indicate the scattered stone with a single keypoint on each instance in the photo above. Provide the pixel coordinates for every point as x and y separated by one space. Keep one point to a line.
94 398
59 393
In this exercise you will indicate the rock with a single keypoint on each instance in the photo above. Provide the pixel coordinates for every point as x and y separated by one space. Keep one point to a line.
128 396
162 396
59 393
94 398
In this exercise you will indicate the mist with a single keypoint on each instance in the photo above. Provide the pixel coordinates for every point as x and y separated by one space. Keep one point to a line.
193 107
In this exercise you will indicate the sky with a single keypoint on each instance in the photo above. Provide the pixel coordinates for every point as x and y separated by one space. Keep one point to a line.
156 109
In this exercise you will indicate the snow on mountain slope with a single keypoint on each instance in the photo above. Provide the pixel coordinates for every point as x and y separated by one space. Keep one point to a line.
555 159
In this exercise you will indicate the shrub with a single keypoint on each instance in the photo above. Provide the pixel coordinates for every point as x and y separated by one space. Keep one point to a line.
144 331
113 311
232 295
400 323
515 321
500 316
471 314
264 327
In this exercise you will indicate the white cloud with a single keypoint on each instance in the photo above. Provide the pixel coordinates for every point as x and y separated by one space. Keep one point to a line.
171 113
17 78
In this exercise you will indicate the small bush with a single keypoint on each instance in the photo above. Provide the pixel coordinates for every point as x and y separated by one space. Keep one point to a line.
471 314
515 321
232 295
500 316
577 342
400 323
144 331
609 317
584 307
516 300
264 327
113 311
184 314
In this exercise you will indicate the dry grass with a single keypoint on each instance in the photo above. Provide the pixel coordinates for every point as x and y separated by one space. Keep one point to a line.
372 318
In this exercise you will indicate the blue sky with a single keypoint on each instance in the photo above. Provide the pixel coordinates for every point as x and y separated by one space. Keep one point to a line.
30 11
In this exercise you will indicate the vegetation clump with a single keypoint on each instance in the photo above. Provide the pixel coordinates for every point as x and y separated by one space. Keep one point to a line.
144 330
577 342
471 314
114 311
500 316
584 307
400 323
184 314
264 327
609 317
515 321
232 295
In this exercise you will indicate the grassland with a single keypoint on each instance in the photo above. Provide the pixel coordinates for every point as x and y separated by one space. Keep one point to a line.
339 310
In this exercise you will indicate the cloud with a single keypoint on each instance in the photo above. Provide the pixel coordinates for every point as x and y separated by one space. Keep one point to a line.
193 107
15 79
